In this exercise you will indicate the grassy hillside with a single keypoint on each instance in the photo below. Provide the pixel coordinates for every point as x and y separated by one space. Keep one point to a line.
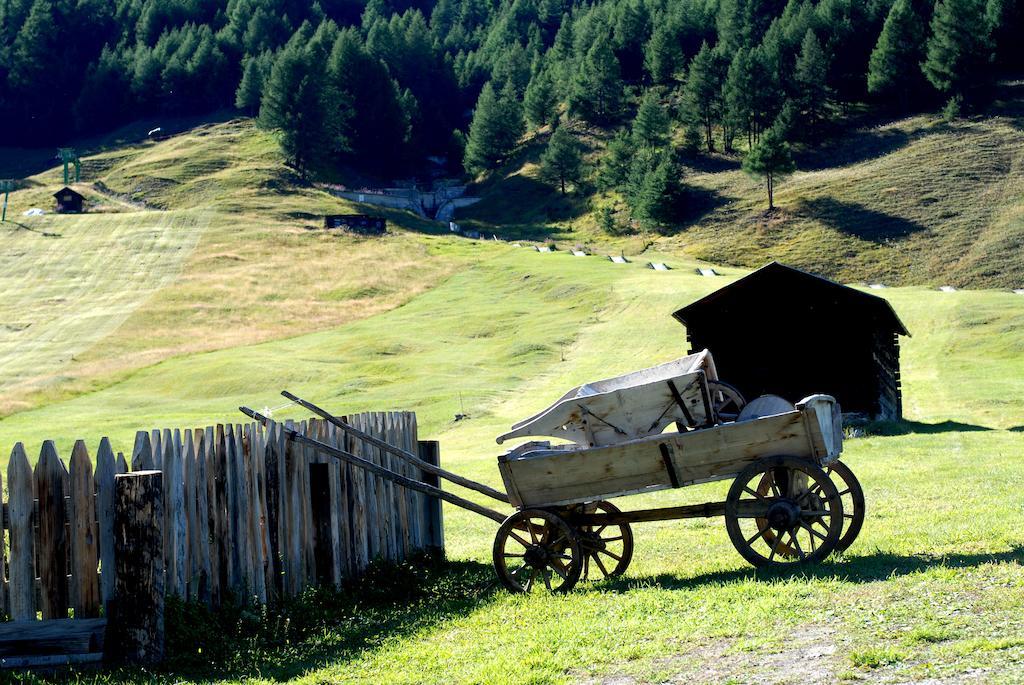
203 241
912 202
203 285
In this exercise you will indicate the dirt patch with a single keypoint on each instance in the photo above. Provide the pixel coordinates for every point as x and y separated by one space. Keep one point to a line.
808 656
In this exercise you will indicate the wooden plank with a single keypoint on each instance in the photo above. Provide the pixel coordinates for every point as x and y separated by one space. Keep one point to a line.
52 548
295 554
343 507
136 626
51 638
188 472
272 458
174 514
122 463
358 506
401 523
142 453
21 493
234 562
85 582
4 598
214 494
202 532
106 467
49 662
407 440
158 449
269 579
429 450
337 517
308 547
244 513
255 514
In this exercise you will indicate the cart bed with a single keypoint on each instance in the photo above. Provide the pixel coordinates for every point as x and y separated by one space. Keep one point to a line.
540 475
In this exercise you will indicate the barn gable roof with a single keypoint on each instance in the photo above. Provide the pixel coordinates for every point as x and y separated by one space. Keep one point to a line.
878 307
67 189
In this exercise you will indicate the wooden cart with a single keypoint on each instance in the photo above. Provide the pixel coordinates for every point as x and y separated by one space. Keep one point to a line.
791 500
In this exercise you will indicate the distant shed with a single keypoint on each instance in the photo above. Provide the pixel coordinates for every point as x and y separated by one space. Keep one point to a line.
784 331
357 223
68 201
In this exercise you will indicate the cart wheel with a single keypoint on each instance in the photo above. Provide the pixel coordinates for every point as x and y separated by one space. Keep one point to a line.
727 401
852 495
798 519
608 548
537 549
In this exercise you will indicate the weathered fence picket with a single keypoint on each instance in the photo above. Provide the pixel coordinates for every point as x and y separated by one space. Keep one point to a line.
243 512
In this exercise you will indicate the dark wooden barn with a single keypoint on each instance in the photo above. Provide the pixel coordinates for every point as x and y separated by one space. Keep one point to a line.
357 223
786 332
68 201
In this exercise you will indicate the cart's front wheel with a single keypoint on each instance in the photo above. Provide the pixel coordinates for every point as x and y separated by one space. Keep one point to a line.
537 549
727 401
852 495
783 510
608 547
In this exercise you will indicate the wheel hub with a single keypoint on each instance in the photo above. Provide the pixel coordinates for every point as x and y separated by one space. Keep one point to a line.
783 514
536 556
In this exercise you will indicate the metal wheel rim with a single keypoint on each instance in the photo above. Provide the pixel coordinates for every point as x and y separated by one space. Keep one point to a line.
854 505
804 520
536 550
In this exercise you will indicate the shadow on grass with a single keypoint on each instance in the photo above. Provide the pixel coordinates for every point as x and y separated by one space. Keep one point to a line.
311 632
852 148
893 428
26 227
852 569
857 220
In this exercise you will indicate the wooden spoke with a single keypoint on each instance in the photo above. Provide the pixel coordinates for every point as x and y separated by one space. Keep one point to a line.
547 580
514 536
796 543
614 540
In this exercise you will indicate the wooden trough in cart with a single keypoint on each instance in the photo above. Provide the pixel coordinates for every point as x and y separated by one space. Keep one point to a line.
791 500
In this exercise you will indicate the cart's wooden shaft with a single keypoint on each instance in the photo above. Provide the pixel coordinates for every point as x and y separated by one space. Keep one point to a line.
706 510
399 452
388 474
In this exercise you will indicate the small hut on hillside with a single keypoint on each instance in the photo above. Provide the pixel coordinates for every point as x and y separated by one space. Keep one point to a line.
68 201
784 331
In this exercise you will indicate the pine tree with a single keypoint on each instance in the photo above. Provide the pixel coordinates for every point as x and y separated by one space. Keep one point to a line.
656 195
250 89
495 129
613 169
703 91
737 95
562 161
894 69
959 49
651 126
541 102
596 90
299 105
771 160
663 57
809 79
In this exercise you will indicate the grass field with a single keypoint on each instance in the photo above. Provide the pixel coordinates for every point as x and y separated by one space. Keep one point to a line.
202 286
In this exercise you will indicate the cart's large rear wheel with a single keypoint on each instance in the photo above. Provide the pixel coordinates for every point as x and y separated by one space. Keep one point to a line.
536 549
797 519
852 495
607 548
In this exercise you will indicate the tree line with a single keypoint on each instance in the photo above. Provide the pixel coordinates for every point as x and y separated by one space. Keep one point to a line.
386 85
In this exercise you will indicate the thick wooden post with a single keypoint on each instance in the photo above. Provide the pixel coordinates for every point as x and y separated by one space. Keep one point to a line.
430 452
135 632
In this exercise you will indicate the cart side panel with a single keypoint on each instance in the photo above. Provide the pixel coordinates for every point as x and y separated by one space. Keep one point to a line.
723 451
552 478
585 475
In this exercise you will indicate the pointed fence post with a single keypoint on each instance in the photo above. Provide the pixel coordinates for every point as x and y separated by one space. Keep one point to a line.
135 630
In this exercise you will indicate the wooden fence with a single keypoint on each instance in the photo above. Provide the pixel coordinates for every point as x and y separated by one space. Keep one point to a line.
246 513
